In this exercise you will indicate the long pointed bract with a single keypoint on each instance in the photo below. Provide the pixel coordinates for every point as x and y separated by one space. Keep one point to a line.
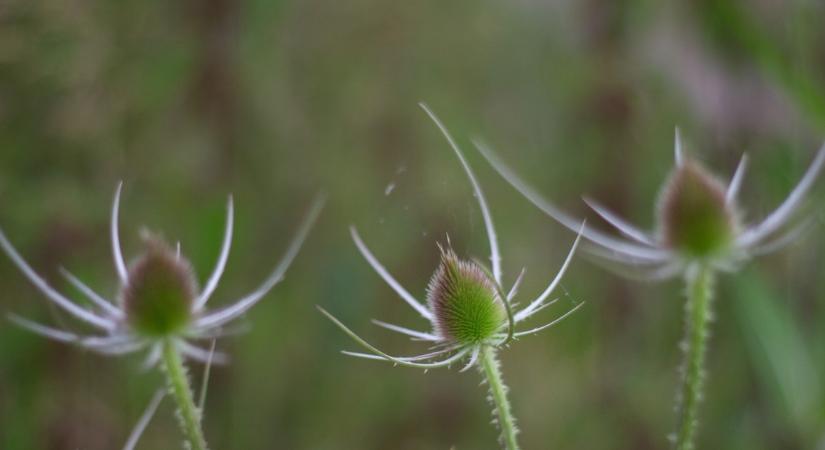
779 216
152 358
562 317
598 238
382 272
423 357
409 332
529 309
514 289
620 224
378 352
544 305
205 378
678 156
120 265
147 415
473 359
231 312
736 181
660 273
50 292
210 286
784 239
96 298
112 345
43 330
201 354
612 255
495 254
107 341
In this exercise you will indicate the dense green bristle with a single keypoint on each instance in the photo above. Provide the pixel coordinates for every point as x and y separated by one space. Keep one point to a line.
694 217
465 301
159 292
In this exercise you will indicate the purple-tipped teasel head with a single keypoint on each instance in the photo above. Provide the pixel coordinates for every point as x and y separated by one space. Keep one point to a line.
466 305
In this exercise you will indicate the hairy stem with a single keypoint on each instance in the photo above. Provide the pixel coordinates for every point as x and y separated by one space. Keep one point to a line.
188 413
498 395
697 318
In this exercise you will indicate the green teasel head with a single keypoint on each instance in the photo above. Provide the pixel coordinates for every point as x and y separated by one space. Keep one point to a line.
694 217
160 291
466 305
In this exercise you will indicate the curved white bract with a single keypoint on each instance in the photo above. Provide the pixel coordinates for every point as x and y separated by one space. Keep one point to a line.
117 253
212 283
495 254
389 279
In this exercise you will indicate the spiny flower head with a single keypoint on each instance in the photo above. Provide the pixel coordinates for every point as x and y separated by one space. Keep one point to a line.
158 300
694 217
160 290
699 221
464 300
466 306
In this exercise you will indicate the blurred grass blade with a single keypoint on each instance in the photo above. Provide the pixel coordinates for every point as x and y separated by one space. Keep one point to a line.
778 350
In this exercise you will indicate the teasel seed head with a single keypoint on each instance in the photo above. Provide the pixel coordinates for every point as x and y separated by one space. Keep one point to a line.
160 290
694 217
466 305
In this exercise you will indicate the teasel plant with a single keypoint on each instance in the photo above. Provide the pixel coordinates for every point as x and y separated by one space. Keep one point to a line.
700 232
158 309
472 317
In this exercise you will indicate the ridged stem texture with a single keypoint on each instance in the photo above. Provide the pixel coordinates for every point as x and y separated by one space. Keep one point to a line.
498 395
698 315
189 414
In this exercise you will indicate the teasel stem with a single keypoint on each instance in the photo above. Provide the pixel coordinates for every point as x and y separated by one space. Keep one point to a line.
188 412
498 395
698 315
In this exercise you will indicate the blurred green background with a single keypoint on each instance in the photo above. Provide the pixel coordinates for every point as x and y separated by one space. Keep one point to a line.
275 100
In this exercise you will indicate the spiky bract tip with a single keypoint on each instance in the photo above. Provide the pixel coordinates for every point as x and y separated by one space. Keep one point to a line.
159 291
464 301
694 217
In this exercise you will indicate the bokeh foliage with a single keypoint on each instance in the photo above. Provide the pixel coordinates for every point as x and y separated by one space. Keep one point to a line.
274 100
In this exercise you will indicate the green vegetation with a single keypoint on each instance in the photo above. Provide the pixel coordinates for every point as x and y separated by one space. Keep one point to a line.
272 101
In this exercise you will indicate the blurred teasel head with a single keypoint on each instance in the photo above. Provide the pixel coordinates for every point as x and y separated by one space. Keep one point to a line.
693 217
159 299
160 290
698 220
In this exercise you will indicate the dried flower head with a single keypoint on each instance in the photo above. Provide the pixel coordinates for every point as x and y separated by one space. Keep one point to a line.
466 306
698 221
158 299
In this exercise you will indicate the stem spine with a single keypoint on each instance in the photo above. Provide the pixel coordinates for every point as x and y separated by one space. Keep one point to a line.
188 413
698 315
491 368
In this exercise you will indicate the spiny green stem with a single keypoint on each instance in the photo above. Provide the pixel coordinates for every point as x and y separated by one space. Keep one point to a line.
498 394
189 414
697 317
